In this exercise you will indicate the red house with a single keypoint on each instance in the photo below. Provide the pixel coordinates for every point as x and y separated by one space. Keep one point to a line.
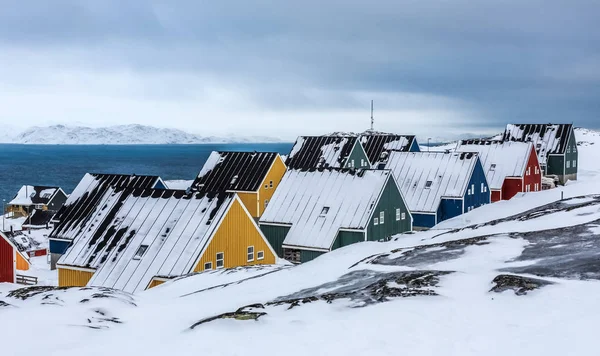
510 167
11 260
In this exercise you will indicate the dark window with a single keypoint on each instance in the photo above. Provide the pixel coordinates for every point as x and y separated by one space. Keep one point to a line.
140 252
428 184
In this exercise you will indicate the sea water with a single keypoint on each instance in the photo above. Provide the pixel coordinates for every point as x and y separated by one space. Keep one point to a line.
65 165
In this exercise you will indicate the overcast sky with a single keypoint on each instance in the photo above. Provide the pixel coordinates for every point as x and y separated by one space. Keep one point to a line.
283 68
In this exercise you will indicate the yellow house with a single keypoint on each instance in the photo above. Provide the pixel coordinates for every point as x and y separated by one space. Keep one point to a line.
149 236
253 175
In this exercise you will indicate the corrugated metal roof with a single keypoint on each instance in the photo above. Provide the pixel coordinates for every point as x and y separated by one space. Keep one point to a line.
234 171
330 151
375 143
499 159
448 175
547 138
92 191
174 226
348 196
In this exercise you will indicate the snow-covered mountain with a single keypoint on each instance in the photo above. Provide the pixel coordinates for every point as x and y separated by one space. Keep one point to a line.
117 135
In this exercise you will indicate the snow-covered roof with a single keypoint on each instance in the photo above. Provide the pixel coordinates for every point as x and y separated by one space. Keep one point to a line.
174 226
317 203
33 194
39 218
547 138
321 151
448 175
22 241
93 191
499 159
234 171
375 143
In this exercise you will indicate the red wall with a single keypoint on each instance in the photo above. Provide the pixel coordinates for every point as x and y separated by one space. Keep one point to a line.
7 266
495 196
533 178
513 186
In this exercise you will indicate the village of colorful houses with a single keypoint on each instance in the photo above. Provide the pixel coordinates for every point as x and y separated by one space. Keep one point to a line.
246 208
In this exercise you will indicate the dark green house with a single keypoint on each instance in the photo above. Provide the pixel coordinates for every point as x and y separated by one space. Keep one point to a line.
555 144
315 211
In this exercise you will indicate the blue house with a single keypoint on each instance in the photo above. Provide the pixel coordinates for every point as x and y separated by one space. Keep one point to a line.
438 186
92 190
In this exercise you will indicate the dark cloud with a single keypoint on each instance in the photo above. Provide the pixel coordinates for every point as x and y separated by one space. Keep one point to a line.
534 61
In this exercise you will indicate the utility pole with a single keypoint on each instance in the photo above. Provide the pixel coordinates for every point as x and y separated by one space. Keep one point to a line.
372 120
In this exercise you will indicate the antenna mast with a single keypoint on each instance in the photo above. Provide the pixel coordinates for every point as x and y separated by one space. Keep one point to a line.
372 120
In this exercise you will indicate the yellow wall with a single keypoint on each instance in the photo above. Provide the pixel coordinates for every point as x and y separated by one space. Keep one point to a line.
250 201
22 264
275 174
233 237
73 278
155 283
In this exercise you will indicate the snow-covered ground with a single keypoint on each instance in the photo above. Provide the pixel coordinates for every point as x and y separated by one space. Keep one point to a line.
477 285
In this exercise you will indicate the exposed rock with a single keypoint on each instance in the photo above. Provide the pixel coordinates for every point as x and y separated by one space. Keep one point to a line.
245 313
520 285
28 292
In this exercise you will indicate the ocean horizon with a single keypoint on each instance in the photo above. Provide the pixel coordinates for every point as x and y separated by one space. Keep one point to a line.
65 165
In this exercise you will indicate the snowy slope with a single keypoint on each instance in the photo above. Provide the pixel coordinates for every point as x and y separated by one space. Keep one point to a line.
118 135
526 285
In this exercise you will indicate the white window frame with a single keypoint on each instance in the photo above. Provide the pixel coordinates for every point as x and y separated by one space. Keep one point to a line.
403 216
528 171
39 206
398 214
568 164
248 254
260 255
482 188
376 221
473 189
209 264
469 191
574 163
138 256
324 211
222 259
428 184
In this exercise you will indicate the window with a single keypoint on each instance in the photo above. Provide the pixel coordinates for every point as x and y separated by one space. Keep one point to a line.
528 171
362 162
469 192
568 149
250 253
266 203
381 217
537 170
270 184
403 216
260 255
428 184
482 188
39 206
207 265
493 167
220 259
140 252
568 164
376 221
352 164
397 214
574 164
537 187
473 189
324 211
234 179
46 196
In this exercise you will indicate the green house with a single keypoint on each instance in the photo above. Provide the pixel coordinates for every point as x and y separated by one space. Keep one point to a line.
555 144
315 211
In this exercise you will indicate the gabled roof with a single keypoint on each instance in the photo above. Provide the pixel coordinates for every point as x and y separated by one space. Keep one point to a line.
349 196
39 218
509 159
330 151
174 226
234 171
375 143
21 241
92 191
448 173
546 138
34 194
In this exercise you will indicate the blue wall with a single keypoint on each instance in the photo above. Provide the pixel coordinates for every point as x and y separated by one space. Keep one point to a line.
59 246
415 146
477 198
449 208
423 220
159 185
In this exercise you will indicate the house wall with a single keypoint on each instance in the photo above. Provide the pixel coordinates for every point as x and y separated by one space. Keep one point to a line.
359 156
57 202
306 255
511 187
556 166
250 201
22 263
7 262
345 238
73 278
57 249
155 283
275 235
236 232
449 208
423 220
275 174
571 155
415 146
391 199
496 195
159 185
532 178
480 196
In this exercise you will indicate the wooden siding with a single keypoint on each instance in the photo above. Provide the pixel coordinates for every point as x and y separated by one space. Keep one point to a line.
480 196
22 263
496 195
73 278
448 209
155 283
306 255
356 155
571 155
236 233
414 147
423 220
275 174
59 246
390 200
556 165
345 238
275 235
250 201
7 262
